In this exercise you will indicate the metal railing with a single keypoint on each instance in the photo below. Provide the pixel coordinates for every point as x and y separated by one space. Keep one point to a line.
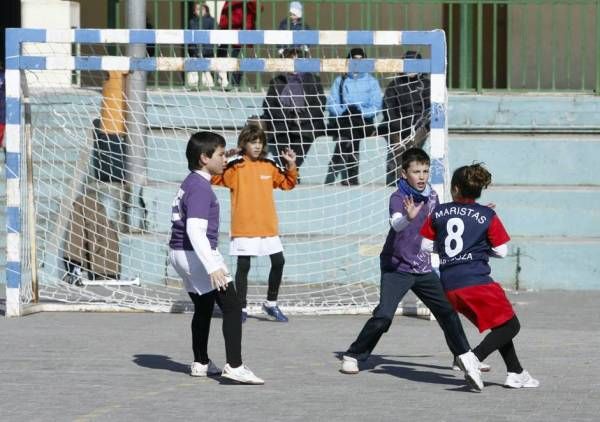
519 45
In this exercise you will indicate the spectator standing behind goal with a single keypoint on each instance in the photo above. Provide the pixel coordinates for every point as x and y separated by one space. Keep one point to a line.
201 19
405 266
110 131
406 116
243 16
293 22
293 111
353 103
194 255
466 234
251 179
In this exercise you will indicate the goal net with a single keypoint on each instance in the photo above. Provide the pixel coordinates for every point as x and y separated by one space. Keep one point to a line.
96 140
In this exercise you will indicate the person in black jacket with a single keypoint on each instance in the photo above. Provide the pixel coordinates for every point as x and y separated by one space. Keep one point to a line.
406 116
201 19
293 111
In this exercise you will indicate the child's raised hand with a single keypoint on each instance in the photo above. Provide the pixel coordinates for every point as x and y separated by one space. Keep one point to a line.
290 157
232 152
411 208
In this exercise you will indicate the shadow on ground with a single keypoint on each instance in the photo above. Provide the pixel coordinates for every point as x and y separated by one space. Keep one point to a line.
394 365
160 362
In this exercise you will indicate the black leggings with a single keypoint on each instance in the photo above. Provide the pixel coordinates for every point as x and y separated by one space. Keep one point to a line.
500 338
275 275
232 324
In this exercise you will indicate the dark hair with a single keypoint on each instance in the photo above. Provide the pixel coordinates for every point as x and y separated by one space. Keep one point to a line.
250 133
204 7
288 53
357 51
471 180
202 143
412 54
414 155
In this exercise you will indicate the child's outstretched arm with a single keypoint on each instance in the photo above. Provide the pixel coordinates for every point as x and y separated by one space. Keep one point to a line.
498 238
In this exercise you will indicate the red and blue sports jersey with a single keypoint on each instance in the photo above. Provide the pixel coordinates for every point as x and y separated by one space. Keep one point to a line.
465 234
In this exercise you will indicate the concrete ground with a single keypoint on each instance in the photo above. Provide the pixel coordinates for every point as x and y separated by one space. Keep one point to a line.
130 367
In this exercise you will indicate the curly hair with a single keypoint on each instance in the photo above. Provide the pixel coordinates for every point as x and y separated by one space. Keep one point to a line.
471 180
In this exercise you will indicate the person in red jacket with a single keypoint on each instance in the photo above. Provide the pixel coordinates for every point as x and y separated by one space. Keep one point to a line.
232 17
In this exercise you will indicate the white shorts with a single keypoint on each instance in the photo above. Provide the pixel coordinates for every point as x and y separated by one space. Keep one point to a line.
255 246
190 269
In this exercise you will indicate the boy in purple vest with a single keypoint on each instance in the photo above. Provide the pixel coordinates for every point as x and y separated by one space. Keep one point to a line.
194 255
405 266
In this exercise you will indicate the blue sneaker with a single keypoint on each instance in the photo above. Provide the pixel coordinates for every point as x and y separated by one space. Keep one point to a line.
244 316
275 313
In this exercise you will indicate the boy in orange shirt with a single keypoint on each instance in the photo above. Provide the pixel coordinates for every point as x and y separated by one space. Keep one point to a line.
251 177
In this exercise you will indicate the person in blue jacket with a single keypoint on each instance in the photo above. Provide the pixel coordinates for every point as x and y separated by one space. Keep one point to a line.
353 103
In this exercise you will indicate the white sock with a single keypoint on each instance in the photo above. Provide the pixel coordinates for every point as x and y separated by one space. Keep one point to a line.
270 303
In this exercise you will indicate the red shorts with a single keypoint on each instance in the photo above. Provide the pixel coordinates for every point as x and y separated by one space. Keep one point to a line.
1 134
485 305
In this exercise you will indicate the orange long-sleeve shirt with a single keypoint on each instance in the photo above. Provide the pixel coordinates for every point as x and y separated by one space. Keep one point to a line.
251 183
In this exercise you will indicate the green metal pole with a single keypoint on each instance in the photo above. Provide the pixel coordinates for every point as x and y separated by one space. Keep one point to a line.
466 47
479 47
538 58
450 45
508 48
554 47
597 90
495 48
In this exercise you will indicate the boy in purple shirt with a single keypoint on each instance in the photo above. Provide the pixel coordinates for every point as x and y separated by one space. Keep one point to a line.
194 255
405 266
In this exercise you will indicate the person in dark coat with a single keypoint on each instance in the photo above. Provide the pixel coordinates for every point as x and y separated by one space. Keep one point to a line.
293 111
201 19
406 116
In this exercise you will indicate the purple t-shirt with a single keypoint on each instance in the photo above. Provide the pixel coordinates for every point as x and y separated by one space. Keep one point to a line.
402 250
195 199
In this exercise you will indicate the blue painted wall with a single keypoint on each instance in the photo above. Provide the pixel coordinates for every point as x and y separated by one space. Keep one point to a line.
542 151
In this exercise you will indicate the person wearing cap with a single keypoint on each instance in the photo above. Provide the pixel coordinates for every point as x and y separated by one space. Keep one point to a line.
293 111
353 103
294 22
406 116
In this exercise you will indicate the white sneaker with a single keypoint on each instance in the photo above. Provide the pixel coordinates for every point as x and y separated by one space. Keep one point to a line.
349 365
241 374
483 367
469 363
208 370
514 380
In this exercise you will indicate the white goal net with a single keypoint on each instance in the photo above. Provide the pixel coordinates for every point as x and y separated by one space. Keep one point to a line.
106 158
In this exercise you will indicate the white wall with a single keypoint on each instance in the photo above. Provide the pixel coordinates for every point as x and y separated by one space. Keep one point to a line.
49 14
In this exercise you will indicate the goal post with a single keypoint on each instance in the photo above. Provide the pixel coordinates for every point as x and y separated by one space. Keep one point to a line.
332 235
